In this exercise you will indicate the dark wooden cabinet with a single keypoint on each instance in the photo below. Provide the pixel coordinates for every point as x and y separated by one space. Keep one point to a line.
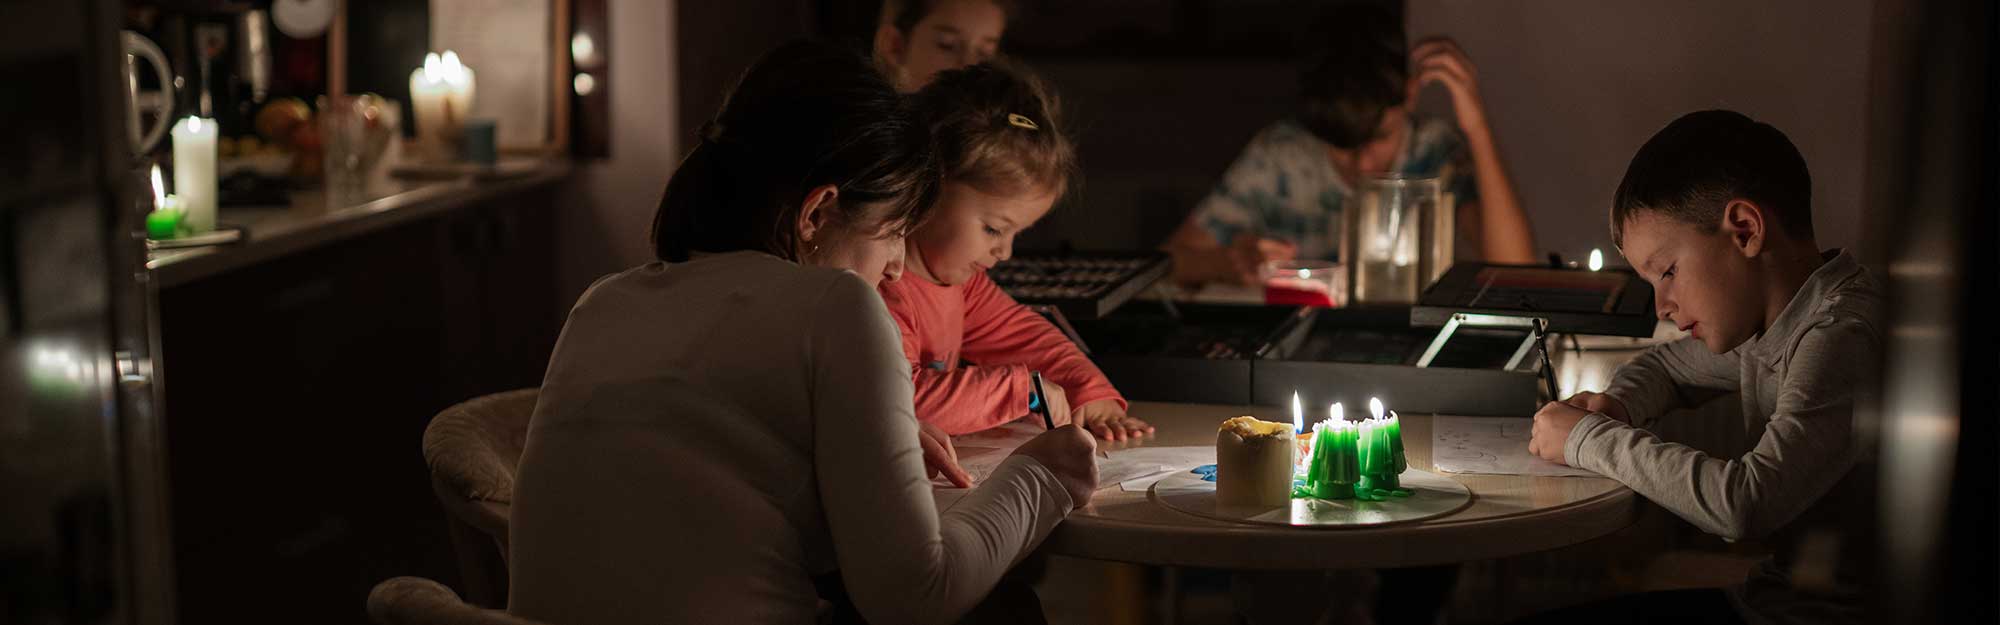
297 390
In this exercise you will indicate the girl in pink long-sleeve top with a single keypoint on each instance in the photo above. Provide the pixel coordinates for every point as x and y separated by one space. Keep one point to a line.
973 349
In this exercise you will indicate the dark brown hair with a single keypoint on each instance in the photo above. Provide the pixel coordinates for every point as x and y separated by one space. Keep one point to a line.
1691 169
1355 68
998 127
906 13
805 115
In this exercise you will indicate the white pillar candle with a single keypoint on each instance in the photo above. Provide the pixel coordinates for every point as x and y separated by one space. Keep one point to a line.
1254 462
441 96
194 171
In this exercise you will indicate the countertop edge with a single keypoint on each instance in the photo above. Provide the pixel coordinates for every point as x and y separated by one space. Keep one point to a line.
372 216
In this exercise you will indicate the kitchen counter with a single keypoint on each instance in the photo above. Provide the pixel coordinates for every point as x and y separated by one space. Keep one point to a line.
311 221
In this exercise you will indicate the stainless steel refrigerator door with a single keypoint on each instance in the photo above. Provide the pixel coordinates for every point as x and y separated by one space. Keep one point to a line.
82 530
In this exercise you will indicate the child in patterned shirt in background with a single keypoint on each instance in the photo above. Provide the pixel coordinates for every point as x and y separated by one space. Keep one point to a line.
1285 196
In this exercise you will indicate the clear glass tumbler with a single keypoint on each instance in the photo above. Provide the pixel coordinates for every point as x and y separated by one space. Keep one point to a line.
1393 238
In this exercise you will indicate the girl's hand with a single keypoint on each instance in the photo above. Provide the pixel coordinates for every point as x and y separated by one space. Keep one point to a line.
1068 452
1440 60
1058 401
940 457
1109 422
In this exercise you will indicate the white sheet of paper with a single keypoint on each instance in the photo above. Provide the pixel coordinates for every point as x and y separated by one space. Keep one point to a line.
1490 445
980 453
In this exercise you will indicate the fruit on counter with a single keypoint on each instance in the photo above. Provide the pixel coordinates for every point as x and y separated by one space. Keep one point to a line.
280 118
305 138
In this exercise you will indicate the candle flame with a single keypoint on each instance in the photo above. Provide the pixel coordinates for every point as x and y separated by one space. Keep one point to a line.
1298 413
1337 411
1596 259
453 69
1375 407
159 190
194 124
1305 274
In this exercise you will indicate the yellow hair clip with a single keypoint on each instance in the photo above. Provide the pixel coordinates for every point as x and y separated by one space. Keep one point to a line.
1022 121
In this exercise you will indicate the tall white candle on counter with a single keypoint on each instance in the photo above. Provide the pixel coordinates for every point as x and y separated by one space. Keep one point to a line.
441 95
194 171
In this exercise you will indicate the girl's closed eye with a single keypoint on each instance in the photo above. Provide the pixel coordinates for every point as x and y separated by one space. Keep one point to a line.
1669 273
990 230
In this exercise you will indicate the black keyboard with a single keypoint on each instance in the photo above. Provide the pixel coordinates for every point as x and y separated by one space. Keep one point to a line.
1083 285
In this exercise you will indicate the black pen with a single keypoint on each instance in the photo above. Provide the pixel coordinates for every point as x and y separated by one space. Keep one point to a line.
1548 367
1040 401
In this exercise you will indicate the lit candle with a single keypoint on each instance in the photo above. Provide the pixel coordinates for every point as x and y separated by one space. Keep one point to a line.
441 95
1382 463
194 171
1396 444
1298 414
1596 259
1302 450
165 219
1374 407
159 190
1335 465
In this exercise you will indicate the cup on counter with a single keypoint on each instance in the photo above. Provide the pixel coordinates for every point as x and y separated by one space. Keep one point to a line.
477 144
356 131
1304 283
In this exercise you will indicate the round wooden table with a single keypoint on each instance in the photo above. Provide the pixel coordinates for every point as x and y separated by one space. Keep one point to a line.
1509 515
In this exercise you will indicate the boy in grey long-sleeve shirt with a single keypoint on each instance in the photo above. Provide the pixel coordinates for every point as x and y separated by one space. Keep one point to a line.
1715 212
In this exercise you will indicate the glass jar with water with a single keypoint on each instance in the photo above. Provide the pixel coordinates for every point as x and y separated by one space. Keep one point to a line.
1399 238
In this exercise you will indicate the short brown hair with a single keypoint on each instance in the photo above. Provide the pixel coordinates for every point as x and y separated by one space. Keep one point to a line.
998 127
1692 168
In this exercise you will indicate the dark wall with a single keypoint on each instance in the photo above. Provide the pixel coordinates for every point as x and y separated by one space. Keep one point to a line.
1161 95
718 40
386 40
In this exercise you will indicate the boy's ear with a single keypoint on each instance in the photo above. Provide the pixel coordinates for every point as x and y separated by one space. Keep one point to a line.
816 213
1746 225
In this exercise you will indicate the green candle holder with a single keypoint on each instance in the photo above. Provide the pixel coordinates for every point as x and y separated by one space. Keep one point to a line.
1382 462
1334 467
163 224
